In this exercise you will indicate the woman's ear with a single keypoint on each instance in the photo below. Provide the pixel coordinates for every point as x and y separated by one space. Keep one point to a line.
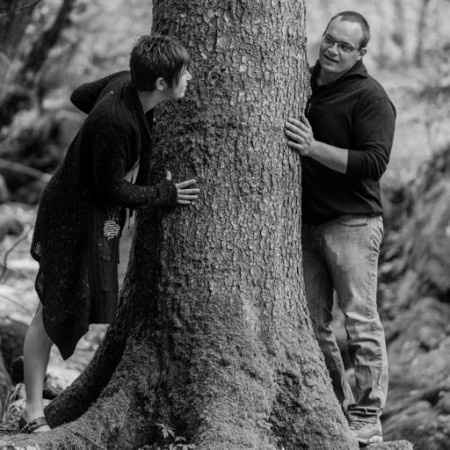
161 84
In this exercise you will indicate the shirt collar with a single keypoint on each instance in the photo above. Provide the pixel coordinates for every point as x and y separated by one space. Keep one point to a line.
358 70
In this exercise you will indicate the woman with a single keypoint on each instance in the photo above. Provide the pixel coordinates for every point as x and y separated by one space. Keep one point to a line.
82 210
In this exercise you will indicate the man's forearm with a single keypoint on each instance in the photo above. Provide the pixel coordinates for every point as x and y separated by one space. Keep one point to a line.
301 139
334 158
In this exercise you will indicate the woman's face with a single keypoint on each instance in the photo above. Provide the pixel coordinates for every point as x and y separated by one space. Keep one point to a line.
178 89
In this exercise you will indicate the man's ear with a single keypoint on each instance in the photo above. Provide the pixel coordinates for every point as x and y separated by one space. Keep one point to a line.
362 51
161 84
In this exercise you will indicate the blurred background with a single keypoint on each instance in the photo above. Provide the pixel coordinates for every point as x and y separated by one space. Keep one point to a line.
49 47
409 53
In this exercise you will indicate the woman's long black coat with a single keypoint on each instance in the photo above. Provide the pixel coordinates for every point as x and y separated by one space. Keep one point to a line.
82 209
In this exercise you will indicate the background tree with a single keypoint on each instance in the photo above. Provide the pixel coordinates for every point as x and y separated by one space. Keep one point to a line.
39 51
20 85
15 15
30 135
399 32
421 28
213 337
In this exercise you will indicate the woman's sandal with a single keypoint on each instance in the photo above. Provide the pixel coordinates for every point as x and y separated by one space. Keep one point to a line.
33 425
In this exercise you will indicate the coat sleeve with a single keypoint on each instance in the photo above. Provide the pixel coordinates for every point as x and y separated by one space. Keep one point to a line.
373 125
110 152
85 96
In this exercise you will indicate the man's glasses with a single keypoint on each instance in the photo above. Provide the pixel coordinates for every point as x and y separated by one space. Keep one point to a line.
342 46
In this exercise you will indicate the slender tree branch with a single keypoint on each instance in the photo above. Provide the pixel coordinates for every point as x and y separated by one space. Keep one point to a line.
421 28
16 303
41 47
24 170
4 264
9 10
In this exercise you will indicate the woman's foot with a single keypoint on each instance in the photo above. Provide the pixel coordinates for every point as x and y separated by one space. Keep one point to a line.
37 425
36 353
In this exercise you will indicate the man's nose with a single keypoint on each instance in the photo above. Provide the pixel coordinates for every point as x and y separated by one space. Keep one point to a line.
334 47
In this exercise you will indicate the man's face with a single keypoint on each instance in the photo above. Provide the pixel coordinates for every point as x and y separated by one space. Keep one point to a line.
178 90
339 49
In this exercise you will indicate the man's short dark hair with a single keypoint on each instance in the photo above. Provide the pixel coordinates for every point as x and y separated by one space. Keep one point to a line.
156 56
353 16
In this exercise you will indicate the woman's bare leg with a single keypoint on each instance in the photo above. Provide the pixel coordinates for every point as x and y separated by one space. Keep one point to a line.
36 351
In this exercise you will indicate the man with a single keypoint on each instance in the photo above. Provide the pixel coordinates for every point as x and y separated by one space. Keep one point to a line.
83 209
345 141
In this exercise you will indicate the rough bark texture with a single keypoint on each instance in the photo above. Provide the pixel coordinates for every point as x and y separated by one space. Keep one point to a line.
213 336
394 445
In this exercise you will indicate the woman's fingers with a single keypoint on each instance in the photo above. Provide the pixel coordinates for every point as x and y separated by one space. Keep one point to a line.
185 183
187 197
189 191
185 193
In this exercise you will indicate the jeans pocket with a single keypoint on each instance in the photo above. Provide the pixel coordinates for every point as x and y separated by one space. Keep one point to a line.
377 234
353 221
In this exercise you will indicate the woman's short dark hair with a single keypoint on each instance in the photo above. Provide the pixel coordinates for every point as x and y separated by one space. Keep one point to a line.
156 56
353 16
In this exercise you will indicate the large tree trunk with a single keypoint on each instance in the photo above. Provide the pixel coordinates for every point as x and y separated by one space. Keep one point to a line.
213 336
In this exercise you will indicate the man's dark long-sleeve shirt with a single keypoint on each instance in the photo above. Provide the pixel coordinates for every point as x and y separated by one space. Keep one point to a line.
352 113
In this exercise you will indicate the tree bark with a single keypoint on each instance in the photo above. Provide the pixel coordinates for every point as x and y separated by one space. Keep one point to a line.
213 337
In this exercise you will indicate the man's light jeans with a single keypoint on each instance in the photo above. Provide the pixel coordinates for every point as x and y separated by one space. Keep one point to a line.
342 255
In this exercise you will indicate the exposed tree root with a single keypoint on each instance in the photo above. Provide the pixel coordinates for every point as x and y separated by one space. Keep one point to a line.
115 420
77 398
